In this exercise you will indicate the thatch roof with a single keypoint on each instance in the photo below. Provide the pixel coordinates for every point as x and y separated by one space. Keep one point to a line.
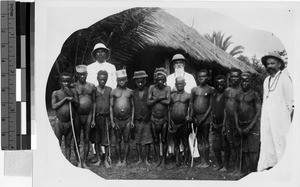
138 29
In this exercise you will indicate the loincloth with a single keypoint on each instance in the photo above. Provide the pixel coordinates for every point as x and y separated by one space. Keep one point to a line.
231 131
250 141
62 127
158 121
143 133
216 125
174 127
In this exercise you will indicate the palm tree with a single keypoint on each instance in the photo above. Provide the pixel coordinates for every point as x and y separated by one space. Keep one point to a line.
218 39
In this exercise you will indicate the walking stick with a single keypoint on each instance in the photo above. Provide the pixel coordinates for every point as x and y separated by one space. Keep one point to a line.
107 131
73 131
241 153
194 142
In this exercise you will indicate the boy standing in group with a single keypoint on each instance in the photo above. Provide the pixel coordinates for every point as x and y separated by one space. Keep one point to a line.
229 130
179 117
122 114
159 100
247 118
102 118
143 135
60 103
85 110
217 116
200 103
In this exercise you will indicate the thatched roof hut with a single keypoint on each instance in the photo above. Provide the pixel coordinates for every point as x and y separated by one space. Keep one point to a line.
143 38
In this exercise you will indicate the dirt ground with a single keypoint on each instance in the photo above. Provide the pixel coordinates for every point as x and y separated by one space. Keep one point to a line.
170 172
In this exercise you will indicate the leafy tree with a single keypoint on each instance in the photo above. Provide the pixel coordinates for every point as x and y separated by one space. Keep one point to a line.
223 42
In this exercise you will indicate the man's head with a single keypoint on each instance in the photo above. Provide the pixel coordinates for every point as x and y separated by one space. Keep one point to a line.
202 76
122 79
81 73
235 76
100 53
273 63
180 83
246 80
220 83
140 79
65 79
102 76
160 76
178 61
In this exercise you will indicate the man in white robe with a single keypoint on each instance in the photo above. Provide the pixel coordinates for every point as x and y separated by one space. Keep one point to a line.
277 108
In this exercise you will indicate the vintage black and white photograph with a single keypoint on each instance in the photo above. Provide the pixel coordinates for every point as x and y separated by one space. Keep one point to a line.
168 92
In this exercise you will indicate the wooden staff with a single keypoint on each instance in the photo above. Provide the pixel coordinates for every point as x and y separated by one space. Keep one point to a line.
73 131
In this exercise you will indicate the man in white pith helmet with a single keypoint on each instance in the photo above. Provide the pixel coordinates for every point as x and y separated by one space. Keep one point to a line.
101 54
178 61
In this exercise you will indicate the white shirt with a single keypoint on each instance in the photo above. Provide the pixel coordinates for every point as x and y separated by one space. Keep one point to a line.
95 67
189 80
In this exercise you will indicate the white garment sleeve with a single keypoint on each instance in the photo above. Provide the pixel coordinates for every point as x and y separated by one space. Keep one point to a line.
288 93
113 77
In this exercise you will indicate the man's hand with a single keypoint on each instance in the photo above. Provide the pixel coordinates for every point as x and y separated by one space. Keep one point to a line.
69 99
246 131
131 124
93 124
240 131
223 130
113 125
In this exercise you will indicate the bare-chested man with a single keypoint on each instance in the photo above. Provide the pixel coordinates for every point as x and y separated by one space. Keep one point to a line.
85 110
217 116
159 100
247 118
229 130
179 117
102 118
60 103
200 103
122 114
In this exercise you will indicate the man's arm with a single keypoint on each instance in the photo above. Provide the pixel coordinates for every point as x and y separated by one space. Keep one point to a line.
94 106
151 100
133 109
57 104
111 114
192 103
257 105
212 90
166 100
288 93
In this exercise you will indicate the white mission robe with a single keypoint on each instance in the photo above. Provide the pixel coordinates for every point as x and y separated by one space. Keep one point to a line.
275 120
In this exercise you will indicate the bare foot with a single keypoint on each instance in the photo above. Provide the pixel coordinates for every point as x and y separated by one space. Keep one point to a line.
107 165
98 163
138 163
199 165
217 168
147 163
124 164
119 164
95 159
85 166
205 165
223 169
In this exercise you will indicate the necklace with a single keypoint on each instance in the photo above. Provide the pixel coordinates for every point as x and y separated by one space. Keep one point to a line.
272 87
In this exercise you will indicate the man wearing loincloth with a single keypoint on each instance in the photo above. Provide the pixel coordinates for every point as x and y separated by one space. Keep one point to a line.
247 118
102 129
229 131
85 110
159 100
122 114
179 117
143 135
60 103
217 116
200 103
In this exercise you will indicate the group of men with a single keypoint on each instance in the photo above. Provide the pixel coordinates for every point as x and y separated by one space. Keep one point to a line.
174 106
